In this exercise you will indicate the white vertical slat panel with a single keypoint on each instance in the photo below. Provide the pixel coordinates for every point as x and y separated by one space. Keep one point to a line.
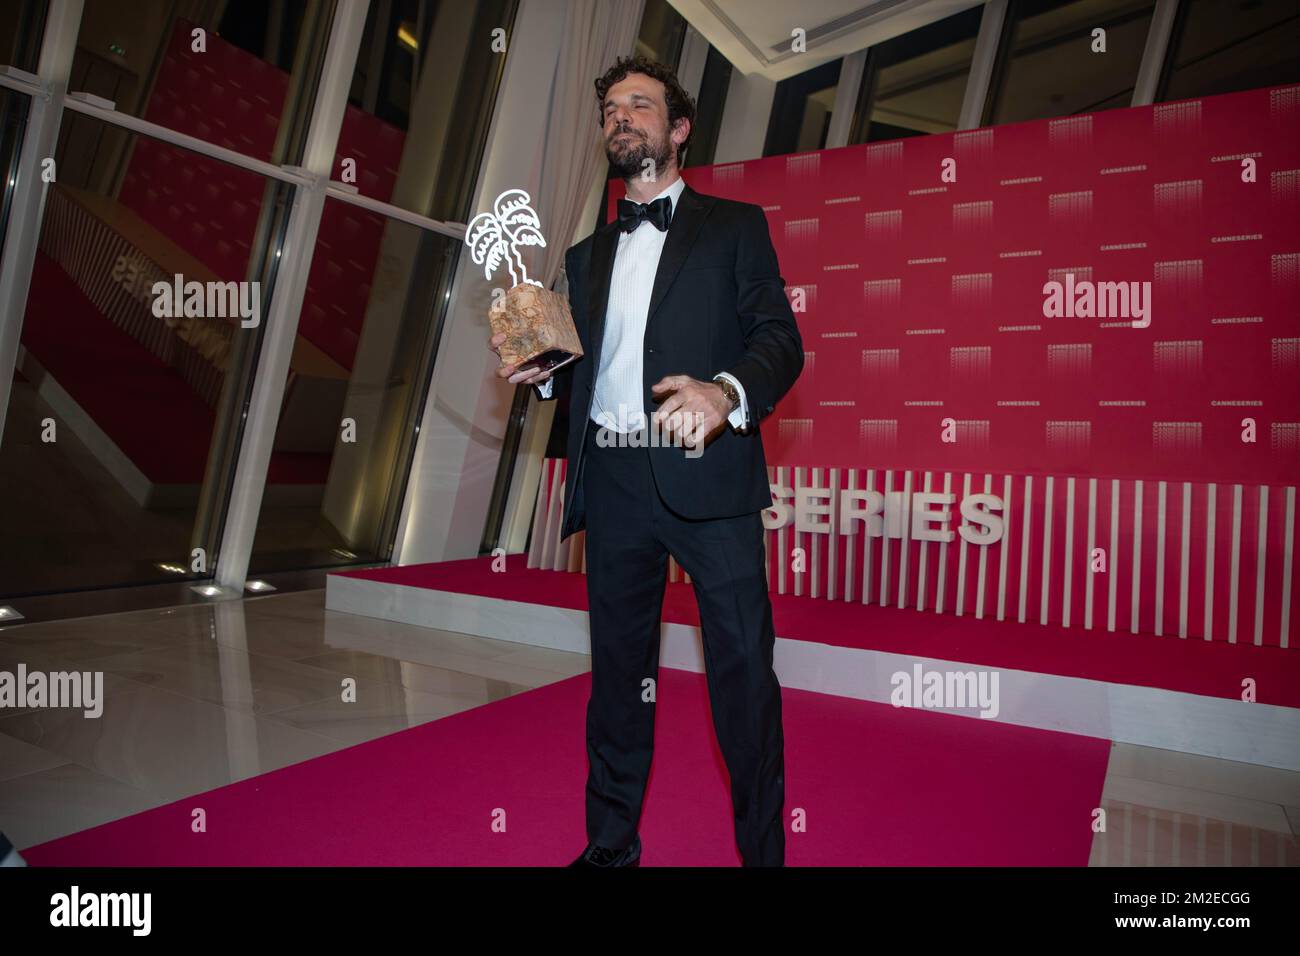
1004 546
924 547
984 555
554 514
815 561
1089 579
558 555
783 552
1112 557
1161 527
1069 552
1137 557
1288 536
1210 512
833 538
1047 551
884 541
1234 565
1185 560
536 539
1261 557
866 546
799 576
904 564
940 585
961 553
1024 547
850 542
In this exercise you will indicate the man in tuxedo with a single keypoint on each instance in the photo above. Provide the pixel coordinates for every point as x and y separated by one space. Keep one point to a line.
679 304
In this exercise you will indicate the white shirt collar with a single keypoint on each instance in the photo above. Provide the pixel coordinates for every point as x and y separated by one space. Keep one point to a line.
673 192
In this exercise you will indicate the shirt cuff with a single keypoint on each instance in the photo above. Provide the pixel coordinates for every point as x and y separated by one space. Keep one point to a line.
739 416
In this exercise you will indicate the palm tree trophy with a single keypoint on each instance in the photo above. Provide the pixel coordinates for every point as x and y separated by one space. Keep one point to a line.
537 322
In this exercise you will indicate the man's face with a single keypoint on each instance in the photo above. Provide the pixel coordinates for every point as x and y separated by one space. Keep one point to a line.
636 126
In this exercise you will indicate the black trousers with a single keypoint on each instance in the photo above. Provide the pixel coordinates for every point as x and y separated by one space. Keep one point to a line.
630 533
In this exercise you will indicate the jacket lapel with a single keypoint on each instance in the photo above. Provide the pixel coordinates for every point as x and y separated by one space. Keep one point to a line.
688 219
603 246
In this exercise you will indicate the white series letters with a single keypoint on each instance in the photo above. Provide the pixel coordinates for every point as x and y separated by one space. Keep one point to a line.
929 514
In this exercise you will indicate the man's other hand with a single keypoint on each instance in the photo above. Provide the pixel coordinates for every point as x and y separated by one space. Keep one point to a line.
510 365
694 409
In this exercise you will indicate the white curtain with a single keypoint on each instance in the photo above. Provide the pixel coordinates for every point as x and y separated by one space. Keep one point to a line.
596 33
572 160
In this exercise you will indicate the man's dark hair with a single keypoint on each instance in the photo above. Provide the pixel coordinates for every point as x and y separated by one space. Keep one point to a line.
679 101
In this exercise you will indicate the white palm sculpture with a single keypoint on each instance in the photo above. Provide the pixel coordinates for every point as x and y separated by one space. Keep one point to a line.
495 237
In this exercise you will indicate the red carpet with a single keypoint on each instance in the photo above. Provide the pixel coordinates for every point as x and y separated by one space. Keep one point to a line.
1193 666
876 786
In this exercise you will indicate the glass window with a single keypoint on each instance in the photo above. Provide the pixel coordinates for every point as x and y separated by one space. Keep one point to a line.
14 110
708 109
801 111
374 301
420 103
249 87
914 83
663 30
117 452
1223 47
1052 64
22 25
417 122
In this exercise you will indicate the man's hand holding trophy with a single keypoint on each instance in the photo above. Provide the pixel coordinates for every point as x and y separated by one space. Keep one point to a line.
532 328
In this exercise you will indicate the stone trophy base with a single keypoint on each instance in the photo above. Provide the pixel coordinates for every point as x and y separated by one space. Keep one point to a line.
539 328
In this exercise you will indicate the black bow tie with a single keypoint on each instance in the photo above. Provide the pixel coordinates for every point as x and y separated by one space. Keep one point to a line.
632 214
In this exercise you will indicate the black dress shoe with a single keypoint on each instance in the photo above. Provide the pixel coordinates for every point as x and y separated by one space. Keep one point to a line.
603 856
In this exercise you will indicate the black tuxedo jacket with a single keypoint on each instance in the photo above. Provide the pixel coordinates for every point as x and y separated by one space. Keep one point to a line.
718 305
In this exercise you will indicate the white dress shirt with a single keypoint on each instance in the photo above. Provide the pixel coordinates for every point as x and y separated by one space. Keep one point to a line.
620 378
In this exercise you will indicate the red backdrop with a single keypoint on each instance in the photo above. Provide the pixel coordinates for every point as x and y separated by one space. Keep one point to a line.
924 302
924 298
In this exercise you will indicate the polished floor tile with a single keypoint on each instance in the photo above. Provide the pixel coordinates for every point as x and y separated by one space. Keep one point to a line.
47 804
224 675
478 688
200 696
166 744
18 758
88 639
378 709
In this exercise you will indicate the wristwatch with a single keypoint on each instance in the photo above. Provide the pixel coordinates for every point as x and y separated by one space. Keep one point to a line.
729 390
